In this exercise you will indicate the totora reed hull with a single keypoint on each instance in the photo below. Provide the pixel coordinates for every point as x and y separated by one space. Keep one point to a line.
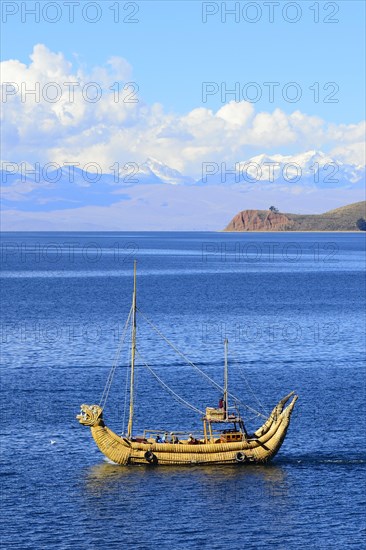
257 448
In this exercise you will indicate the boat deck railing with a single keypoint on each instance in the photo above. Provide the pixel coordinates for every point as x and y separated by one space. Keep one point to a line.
217 435
154 433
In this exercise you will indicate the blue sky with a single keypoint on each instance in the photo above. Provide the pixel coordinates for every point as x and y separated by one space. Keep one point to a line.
172 52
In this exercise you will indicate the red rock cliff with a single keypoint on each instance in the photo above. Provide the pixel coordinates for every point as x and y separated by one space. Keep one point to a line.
259 220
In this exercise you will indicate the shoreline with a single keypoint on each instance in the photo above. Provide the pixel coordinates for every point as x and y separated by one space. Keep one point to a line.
4 231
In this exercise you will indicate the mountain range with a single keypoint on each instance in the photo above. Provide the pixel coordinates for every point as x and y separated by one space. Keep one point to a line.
310 169
71 187
154 196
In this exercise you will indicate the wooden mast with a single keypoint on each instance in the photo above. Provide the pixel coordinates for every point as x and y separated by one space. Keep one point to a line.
133 352
226 341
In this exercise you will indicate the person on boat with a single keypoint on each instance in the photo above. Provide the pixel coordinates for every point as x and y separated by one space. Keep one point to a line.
174 439
158 438
164 439
221 403
192 440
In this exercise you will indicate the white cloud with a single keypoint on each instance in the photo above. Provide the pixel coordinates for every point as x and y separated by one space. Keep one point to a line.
236 113
268 127
110 131
354 153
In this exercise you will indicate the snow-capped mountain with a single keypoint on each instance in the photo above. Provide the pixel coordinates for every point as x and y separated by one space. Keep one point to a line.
155 171
34 187
72 187
312 168
307 165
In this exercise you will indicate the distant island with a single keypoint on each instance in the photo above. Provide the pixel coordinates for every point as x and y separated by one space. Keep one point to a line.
347 218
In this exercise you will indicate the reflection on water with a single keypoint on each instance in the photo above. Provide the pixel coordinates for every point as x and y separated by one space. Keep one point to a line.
203 499
211 481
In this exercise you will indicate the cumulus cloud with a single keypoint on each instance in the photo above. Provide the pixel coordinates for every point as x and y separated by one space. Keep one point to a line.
120 127
355 153
236 113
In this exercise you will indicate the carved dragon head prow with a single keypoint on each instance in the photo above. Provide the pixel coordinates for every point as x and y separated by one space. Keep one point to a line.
91 415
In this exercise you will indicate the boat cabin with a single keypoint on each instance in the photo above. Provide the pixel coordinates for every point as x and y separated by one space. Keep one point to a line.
229 436
222 416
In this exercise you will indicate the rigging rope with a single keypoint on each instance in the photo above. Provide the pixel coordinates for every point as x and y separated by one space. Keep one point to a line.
197 368
180 353
108 384
125 403
247 383
165 386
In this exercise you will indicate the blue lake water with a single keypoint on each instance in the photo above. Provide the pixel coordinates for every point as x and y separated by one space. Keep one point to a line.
293 309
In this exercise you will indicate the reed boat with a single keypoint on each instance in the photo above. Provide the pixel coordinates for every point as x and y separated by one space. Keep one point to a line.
223 440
